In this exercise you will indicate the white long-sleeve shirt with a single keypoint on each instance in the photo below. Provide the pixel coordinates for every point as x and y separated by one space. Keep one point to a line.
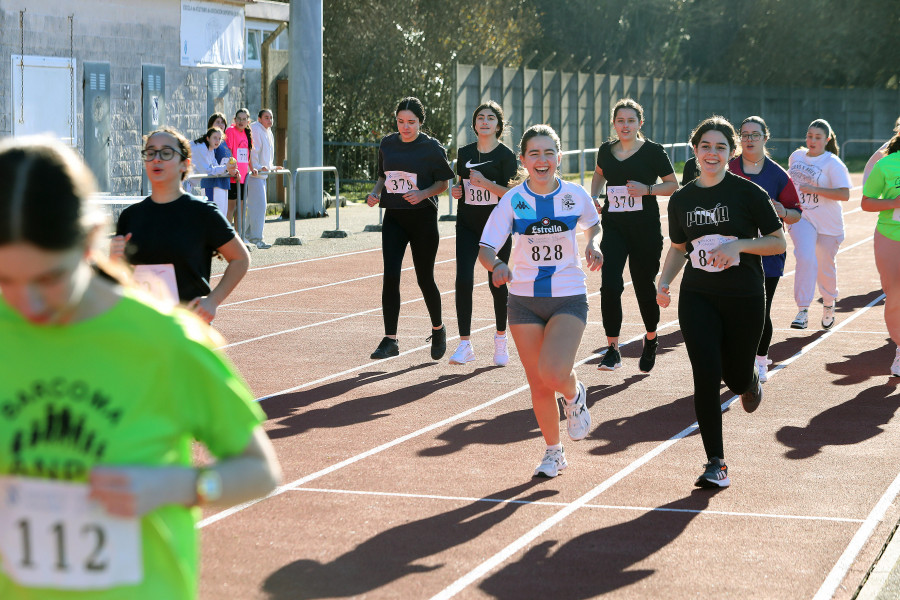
263 152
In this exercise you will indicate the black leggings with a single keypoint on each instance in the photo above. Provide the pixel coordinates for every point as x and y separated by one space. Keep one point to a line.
641 245
466 254
417 228
721 334
766 339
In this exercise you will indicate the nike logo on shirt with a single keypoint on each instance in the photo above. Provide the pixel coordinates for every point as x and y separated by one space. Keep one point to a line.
469 164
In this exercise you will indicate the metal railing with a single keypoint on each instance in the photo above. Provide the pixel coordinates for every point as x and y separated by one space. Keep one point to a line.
337 195
857 141
240 207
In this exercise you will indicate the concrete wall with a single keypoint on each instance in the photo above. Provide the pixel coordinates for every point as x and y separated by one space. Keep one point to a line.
126 34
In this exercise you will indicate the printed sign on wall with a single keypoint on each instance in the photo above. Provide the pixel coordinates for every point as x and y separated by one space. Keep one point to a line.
212 35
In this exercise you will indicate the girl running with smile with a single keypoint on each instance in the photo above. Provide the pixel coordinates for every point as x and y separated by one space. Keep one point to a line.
485 169
547 290
716 220
630 166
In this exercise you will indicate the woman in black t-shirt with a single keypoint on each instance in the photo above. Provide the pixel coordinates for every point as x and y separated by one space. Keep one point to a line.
485 169
630 166
714 225
412 171
171 233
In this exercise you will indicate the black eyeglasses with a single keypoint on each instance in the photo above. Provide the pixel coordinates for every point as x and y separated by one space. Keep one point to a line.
755 136
165 153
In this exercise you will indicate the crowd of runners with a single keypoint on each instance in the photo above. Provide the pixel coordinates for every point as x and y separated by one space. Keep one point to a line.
516 217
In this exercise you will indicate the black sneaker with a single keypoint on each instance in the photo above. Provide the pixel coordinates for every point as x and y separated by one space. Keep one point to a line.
386 349
612 360
438 339
648 355
751 399
715 474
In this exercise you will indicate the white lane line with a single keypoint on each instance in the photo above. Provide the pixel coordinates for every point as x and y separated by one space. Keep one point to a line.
839 571
487 566
318 258
353 459
322 286
334 320
642 509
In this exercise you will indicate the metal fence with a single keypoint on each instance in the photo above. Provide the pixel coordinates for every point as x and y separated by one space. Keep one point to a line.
578 106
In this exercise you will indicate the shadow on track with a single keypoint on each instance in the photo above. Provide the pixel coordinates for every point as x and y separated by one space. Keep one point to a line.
852 422
392 554
597 562
283 405
366 408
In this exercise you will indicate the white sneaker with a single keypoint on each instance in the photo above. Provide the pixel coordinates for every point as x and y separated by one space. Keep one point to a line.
578 419
828 317
501 354
895 367
262 245
554 462
464 353
762 365
801 320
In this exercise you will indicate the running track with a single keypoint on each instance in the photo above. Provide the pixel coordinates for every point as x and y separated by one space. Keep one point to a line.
410 478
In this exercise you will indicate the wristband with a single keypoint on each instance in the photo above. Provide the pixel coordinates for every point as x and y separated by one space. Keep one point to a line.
497 262
650 190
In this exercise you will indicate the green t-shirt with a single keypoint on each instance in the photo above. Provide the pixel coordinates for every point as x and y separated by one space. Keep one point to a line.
132 386
884 182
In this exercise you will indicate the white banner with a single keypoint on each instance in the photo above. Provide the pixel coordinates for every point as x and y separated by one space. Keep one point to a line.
212 35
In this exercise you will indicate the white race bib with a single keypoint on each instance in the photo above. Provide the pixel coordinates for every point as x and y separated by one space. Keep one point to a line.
158 281
702 247
478 196
550 250
619 201
52 536
400 182
243 155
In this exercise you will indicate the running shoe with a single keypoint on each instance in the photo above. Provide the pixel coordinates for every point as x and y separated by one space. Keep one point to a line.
578 419
262 245
554 462
611 361
828 317
895 367
762 366
438 340
715 474
801 320
464 353
501 354
648 354
751 399
386 349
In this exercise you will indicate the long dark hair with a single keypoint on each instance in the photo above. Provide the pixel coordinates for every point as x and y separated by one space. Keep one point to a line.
715 123
44 198
831 145
494 108
246 129
631 104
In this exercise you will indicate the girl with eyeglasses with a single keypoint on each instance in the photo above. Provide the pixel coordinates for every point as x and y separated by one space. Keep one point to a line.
170 237
753 163
99 493
823 182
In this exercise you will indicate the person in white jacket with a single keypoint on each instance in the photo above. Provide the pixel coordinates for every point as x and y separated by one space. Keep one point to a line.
262 157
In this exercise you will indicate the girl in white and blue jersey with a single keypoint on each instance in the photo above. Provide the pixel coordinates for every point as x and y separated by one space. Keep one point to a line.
547 288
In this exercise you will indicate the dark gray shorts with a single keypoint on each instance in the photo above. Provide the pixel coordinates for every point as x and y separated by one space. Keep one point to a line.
523 310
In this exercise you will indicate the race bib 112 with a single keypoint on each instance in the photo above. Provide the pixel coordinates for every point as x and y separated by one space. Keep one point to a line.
53 536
